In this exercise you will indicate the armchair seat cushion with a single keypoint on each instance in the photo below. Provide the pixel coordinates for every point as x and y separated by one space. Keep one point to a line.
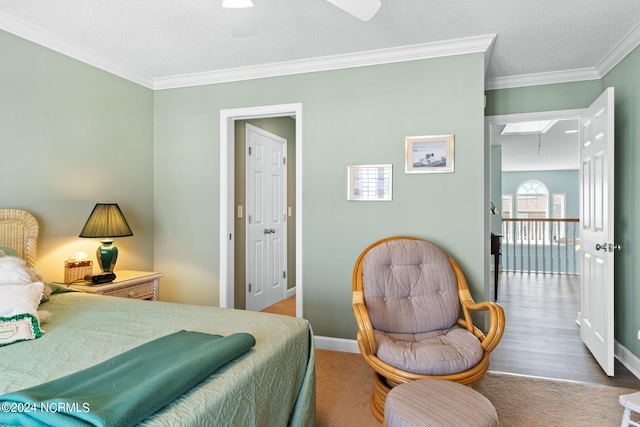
443 352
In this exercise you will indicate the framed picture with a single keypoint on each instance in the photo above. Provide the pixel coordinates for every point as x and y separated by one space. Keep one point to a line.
369 182
429 154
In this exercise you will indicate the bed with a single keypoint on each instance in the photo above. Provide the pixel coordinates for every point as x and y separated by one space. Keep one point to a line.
273 384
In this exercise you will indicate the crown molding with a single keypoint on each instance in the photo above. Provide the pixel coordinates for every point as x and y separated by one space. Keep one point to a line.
489 53
613 58
41 37
537 79
479 44
620 51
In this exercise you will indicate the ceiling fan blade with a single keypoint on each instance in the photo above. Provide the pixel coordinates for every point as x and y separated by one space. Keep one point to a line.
361 9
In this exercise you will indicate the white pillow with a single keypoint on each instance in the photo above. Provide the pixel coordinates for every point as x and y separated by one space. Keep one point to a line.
22 327
20 299
19 312
13 271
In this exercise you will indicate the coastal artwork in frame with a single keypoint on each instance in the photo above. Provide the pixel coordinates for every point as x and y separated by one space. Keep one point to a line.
429 154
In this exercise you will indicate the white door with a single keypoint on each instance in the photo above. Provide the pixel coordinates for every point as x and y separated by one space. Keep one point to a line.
596 213
266 194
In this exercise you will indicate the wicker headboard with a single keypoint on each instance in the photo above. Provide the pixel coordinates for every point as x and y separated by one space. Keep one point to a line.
19 231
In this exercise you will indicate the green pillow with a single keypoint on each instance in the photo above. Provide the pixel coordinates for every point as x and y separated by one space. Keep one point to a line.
58 289
9 251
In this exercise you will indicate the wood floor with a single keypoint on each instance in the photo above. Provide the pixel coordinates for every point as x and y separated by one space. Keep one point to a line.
286 306
542 337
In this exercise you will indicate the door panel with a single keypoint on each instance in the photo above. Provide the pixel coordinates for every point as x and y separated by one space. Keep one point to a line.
597 229
256 240
266 205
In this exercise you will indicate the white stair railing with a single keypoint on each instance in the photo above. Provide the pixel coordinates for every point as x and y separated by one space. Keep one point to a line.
540 245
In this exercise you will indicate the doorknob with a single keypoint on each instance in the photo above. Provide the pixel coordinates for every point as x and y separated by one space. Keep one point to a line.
608 247
269 230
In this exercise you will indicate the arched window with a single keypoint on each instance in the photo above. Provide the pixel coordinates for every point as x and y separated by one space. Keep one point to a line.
532 200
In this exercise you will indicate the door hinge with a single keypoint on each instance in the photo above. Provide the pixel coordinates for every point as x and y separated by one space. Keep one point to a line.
284 274
249 218
284 160
249 150
249 287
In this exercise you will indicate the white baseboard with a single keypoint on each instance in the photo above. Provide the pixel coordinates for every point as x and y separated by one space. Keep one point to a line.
627 358
290 292
336 344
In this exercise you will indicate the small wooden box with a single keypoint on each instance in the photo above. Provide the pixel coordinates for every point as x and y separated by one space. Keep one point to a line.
77 270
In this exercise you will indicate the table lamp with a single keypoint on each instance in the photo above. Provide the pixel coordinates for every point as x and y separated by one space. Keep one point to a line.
106 221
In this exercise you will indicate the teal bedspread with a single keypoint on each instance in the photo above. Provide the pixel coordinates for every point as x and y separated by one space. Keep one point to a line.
273 384
127 388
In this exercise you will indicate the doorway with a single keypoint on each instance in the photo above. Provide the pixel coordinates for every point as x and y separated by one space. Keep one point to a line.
228 211
587 138
528 151
528 295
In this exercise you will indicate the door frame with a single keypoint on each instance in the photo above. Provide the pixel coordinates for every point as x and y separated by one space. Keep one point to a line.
227 186
501 119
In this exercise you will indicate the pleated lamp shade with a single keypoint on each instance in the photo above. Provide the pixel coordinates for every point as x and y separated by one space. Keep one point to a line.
106 221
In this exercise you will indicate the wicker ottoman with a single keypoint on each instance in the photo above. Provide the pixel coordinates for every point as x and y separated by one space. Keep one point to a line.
437 403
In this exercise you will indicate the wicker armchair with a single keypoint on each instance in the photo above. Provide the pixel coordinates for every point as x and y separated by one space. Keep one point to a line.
407 295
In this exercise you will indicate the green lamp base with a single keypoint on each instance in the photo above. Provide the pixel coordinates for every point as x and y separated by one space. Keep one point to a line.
107 254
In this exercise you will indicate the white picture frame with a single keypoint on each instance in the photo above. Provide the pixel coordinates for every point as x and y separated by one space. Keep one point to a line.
371 183
429 154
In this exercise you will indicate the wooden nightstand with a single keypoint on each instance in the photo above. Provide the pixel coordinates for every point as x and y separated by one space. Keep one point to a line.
128 284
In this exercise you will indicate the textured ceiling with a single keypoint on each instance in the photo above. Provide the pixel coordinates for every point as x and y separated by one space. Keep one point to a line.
168 38
553 150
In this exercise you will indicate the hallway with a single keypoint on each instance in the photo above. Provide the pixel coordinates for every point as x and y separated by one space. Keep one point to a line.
542 337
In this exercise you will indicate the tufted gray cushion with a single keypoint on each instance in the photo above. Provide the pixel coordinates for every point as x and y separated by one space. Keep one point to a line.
443 353
409 287
411 294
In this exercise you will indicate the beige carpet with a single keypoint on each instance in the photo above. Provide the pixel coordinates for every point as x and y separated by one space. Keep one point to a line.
523 401
344 385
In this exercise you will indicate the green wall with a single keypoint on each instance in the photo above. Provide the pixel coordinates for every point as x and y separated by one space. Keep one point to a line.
72 136
352 116
562 96
624 77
